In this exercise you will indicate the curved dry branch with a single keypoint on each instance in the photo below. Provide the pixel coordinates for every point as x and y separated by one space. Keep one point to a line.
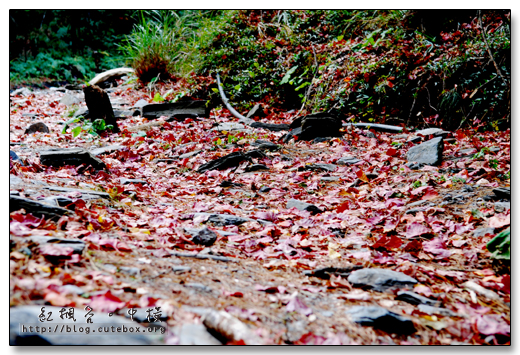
225 100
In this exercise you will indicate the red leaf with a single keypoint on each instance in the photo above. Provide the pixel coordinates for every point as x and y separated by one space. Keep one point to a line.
416 229
391 152
413 247
437 247
310 339
387 243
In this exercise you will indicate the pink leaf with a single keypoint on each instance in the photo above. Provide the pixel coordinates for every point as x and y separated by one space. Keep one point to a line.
500 220
492 324
297 305
106 303
54 250
416 229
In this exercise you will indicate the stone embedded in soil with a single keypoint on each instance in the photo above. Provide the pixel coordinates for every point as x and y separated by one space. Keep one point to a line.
70 156
380 279
231 126
106 150
256 167
436 132
321 166
303 206
69 100
77 245
37 127
29 316
35 208
202 236
502 206
436 310
270 126
427 153
228 161
179 269
195 334
381 318
266 145
125 181
414 298
503 192
483 231
326 272
347 160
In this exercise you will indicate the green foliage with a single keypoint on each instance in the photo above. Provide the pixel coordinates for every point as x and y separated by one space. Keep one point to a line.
165 43
93 128
500 245
64 44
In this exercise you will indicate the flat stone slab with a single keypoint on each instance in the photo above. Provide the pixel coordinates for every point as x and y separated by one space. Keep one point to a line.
190 154
271 126
347 160
228 161
89 194
414 298
503 192
380 279
321 166
202 236
437 132
36 208
427 153
70 156
196 108
231 126
381 318
223 219
29 316
303 206
195 334
106 150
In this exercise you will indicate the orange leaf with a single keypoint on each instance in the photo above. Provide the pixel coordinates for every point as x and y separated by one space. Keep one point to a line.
361 175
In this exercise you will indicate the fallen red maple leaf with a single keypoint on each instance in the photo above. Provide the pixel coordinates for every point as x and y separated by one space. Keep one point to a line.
416 229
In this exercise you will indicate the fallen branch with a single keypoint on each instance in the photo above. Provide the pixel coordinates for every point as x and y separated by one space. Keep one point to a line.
225 100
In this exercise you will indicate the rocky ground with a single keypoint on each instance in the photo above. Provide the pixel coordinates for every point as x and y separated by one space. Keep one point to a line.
237 233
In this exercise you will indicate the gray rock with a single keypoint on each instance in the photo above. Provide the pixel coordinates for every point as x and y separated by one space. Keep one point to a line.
179 269
140 103
303 206
256 167
414 139
380 279
72 289
125 181
195 334
270 126
106 150
228 161
202 236
436 310
427 153
86 194
190 154
176 110
230 126
436 132
132 271
381 318
483 231
37 209
224 219
29 316
347 160
77 245
502 206
198 286
295 132
60 201
321 166
320 125
37 127
266 145
503 192
70 156
69 100
329 178
414 298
